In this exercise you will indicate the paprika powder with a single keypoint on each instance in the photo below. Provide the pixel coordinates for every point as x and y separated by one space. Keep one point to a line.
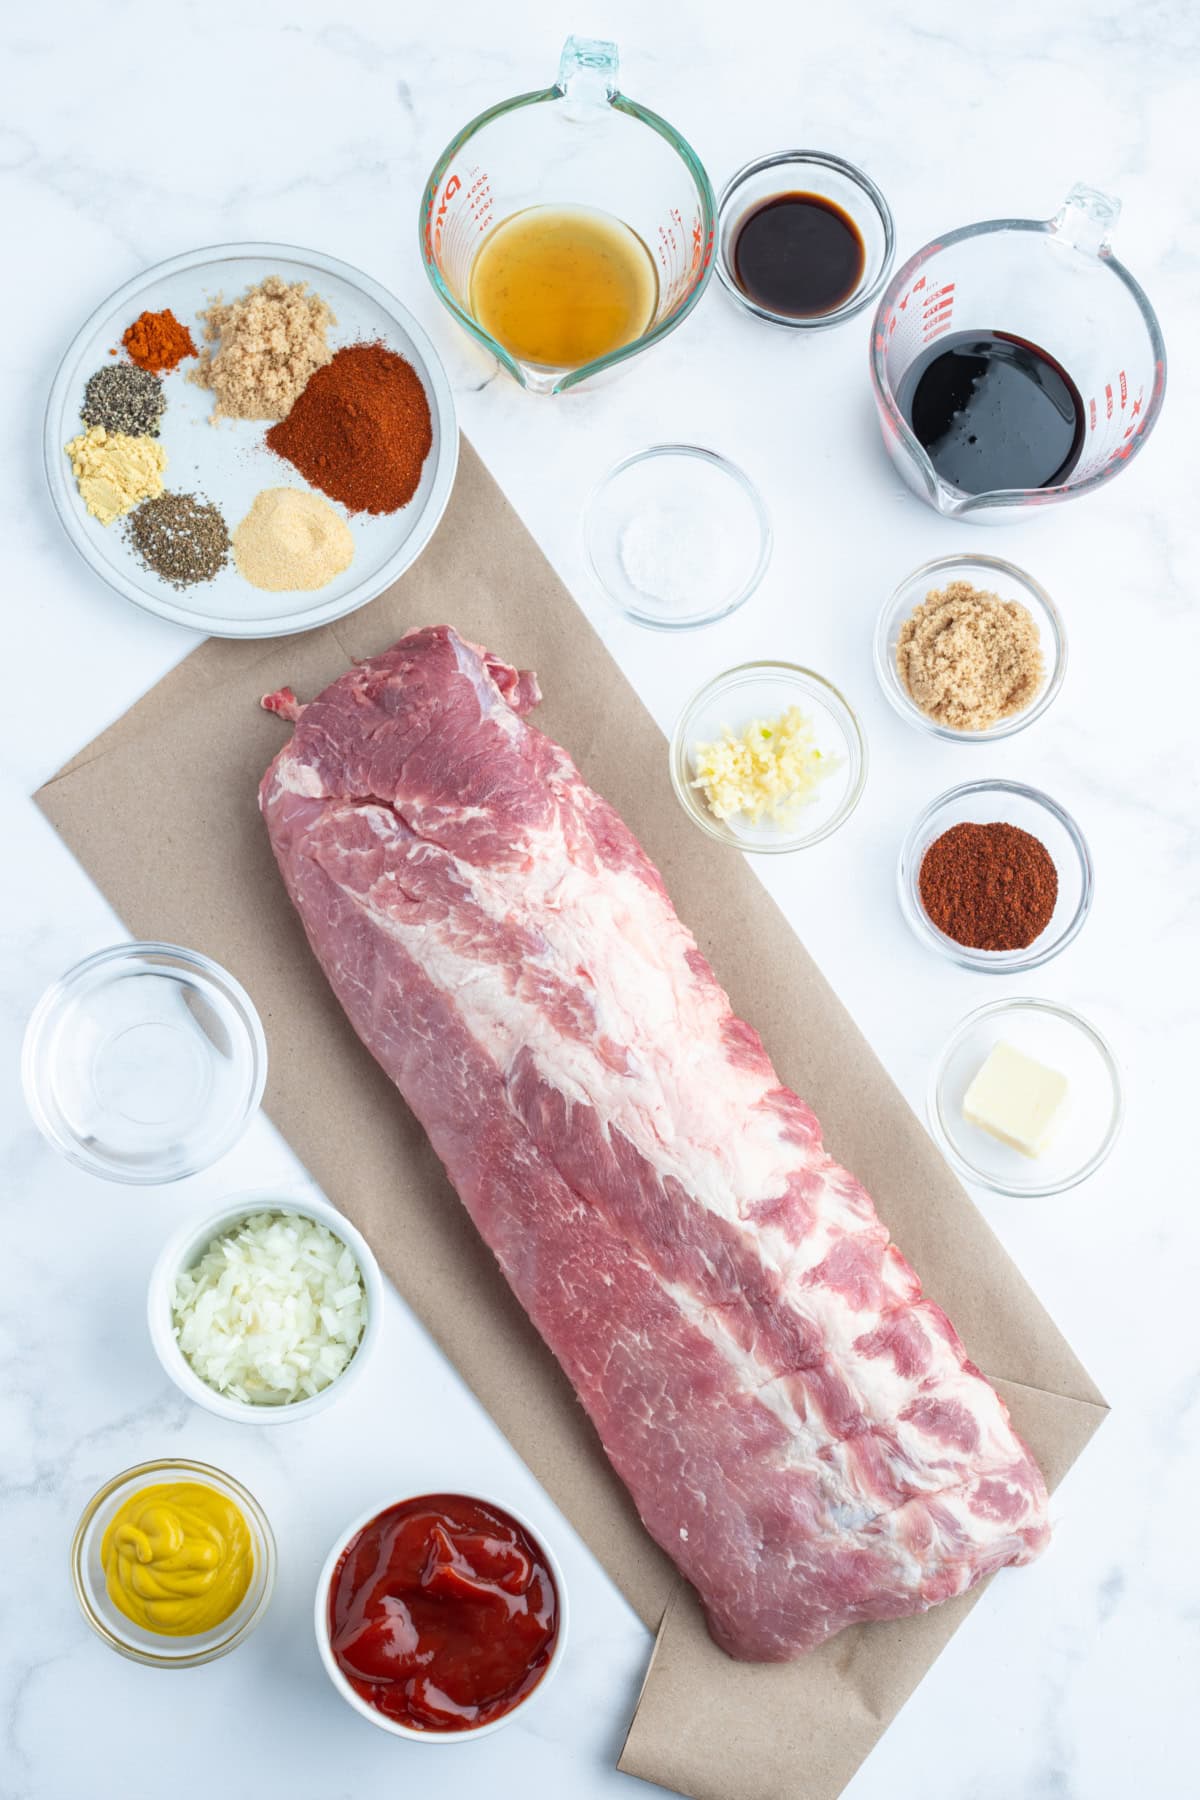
989 887
157 341
360 430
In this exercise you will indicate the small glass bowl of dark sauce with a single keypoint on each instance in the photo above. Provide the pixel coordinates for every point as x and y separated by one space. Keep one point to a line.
804 239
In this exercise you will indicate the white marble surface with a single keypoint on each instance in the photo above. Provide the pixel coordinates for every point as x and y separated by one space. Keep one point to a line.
133 134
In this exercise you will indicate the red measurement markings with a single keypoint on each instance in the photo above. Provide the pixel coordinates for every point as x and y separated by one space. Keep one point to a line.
938 312
1124 386
1134 428
1108 400
448 192
1091 415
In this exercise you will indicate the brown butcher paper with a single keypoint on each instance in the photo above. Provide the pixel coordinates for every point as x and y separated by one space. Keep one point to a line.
162 811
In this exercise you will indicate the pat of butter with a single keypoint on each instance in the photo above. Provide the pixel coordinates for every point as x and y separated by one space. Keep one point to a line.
1016 1099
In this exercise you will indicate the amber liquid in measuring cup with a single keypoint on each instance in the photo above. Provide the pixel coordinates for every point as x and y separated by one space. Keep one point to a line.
563 285
992 411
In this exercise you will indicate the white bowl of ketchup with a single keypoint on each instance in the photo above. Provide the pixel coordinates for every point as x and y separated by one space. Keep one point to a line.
454 1574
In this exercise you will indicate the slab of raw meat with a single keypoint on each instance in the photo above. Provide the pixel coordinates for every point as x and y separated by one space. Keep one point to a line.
801 1431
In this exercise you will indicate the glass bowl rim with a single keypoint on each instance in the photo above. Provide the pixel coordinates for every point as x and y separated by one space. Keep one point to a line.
830 695
862 297
986 961
204 1230
82 1586
329 1662
946 1144
32 1045
906 707
727 467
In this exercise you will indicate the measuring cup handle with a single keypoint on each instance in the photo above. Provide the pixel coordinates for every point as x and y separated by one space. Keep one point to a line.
588 71
1087 219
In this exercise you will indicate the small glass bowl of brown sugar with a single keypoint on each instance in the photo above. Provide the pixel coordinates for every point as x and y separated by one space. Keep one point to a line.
995 876
970 648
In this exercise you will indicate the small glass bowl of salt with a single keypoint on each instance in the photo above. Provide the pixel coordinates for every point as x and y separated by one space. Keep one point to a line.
677 537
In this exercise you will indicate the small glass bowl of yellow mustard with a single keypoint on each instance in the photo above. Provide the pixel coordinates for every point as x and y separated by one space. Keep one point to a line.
173 1563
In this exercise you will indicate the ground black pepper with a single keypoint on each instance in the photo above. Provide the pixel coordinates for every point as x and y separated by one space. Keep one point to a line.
179 537
124 398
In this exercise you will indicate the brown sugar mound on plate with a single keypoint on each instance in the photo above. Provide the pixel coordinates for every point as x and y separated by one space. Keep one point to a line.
968 658
361 430
268 344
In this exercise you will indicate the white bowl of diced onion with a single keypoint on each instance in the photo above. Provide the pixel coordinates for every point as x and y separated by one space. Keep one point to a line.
265 1311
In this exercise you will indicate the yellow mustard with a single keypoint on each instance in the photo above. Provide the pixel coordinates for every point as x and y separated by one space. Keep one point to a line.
177 1558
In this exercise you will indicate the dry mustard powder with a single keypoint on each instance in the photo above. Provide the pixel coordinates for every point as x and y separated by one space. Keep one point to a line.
114 472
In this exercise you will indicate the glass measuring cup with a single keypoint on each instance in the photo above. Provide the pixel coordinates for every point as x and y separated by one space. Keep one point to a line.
580 143
1055 283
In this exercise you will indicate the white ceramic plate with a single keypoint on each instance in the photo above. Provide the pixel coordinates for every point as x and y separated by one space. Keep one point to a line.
228 463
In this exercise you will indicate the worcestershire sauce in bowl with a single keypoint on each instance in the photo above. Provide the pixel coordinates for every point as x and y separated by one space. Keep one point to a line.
799 255
992 411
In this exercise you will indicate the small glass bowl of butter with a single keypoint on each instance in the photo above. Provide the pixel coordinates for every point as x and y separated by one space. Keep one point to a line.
1025 1098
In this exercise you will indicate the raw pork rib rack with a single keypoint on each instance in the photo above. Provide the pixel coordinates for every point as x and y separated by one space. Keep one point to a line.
800 1430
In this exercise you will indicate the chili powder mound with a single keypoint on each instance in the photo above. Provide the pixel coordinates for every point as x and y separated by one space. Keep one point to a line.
989 887
360 431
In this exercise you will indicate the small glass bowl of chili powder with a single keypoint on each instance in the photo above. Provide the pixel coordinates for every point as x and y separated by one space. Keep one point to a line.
980 880
441 1617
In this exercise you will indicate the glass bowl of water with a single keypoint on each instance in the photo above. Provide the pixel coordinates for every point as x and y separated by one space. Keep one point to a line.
144 1063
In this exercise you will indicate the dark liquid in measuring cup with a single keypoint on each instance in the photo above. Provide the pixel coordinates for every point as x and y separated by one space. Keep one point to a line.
993 411
799 255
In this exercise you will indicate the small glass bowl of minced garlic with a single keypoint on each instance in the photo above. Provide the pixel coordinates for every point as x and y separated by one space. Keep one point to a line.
970 649
173 1563
768 757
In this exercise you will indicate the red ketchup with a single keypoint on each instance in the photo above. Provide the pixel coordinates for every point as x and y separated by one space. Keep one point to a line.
443 1613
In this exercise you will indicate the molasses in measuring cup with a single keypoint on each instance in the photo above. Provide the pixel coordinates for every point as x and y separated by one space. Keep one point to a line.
570 228
1016 363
